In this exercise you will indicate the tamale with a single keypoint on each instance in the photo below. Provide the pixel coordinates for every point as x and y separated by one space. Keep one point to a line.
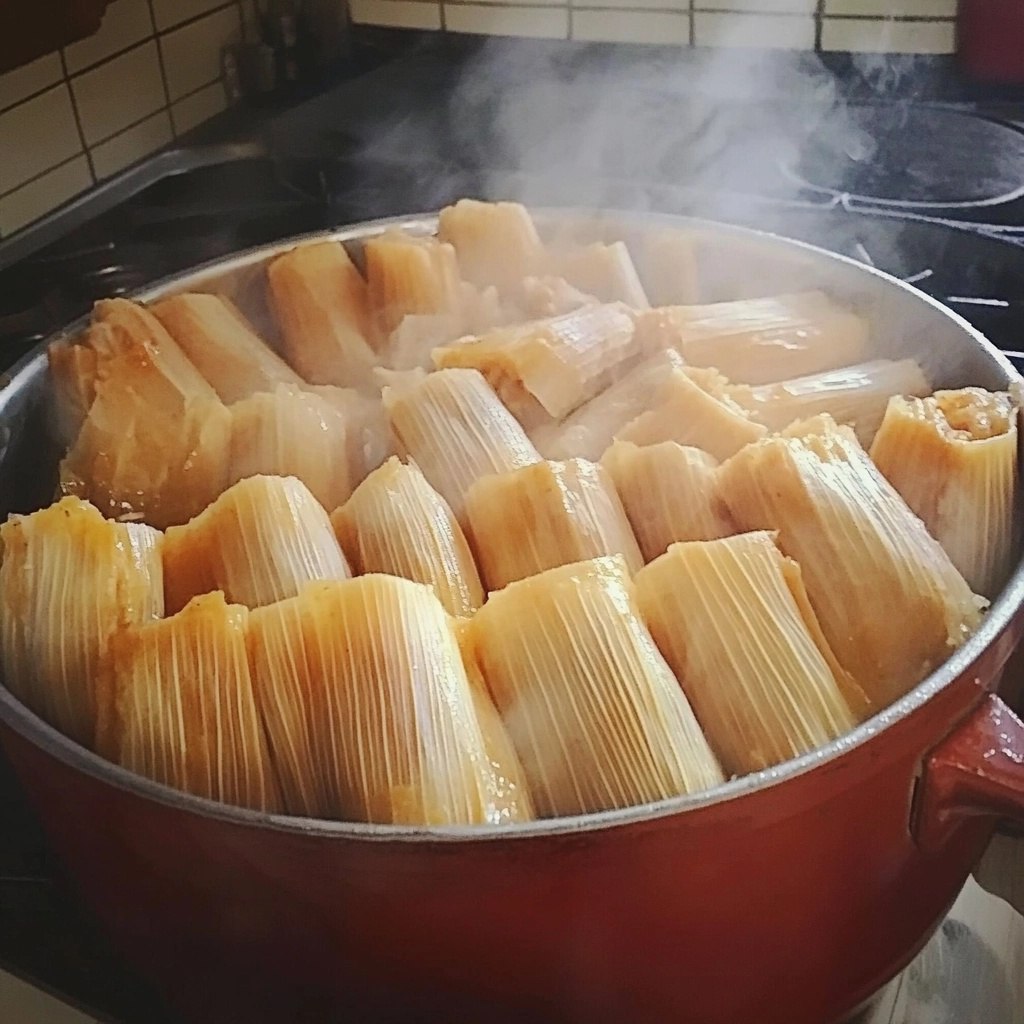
184 712
669 494
222 345
259 542
545 515
372 669
953 458
69 580
668 266
451 424
591 707
321 303
496 243
693 407
723 614
548 367
891 604
396 523
605 271
547 296
758 341
852 395
73 369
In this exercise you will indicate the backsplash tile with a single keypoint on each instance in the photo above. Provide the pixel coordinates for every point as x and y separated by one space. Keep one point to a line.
192 53
533 22
36 135
43 194
621 26
23 82
754 31
132 144
868 35
759 6
169 13
396 13
199 107
893 8
126 23
106 104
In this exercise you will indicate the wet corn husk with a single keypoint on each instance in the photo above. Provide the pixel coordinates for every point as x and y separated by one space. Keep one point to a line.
222 345
548 296
451 424
758 341
668 266
369 709
396 523
69 580
852 395
953 458
891 604
723 614
317 435
259 542
322 306
694 407
669 494
73 369
547 368
496 243
183 710
546 515
589 430
591 707
410 274
156 440
605 271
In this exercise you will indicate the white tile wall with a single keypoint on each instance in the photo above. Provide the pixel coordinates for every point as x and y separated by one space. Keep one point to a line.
192 53
22 82
535 22
396 13
608 26
893 8
107 102
36 135
198 107
43 194
865 35
23 1004
125 23
758 6
754 31
173 12
138 141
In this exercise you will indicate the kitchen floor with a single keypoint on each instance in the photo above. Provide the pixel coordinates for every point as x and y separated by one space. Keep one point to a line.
971 972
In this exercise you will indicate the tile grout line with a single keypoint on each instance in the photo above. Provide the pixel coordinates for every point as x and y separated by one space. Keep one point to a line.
43 174
163 69
78 117
819 14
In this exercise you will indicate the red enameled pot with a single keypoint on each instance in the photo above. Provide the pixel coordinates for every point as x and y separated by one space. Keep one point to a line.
786 897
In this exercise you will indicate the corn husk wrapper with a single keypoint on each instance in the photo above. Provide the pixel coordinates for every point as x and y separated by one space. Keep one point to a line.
603 270
547 368
891 604
724 615
73 370
322 305
669 266
222 345
320 436
855 396
953 458
69 580
497 243
156 440
546 515
184 712
261 541
758 341
369 709
589 430
396 523
548 296
594 712
669 494
693 407
451 424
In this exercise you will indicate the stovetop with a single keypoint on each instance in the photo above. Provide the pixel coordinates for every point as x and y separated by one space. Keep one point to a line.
932 192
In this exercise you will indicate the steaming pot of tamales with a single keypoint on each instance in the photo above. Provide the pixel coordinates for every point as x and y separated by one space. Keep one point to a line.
552 617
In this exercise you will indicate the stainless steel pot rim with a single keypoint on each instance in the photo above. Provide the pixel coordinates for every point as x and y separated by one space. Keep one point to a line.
24 722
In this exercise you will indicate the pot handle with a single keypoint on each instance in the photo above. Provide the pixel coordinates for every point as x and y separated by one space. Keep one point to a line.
977 770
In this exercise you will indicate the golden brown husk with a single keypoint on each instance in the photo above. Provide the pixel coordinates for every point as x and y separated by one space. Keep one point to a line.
396 523
889 600
594 712
451 424
723 614
605 271
953 458
261 541
546 515
669 494
184 712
